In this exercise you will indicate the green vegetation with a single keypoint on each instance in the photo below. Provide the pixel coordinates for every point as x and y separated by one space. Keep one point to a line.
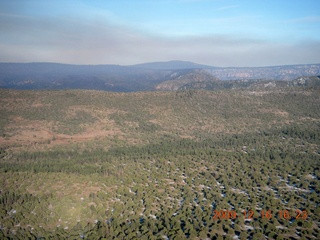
155 165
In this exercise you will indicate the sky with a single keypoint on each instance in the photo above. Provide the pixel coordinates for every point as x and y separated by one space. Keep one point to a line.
223 33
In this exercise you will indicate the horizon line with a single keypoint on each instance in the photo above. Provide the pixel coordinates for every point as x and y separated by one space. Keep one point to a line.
159 62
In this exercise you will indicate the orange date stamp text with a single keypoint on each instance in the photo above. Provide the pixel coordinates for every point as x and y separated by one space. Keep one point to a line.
266 214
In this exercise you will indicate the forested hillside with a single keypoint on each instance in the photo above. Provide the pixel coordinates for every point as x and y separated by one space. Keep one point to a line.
189 164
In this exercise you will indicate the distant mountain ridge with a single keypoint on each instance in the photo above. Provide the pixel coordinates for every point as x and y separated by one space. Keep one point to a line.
287 72
166 76
172 65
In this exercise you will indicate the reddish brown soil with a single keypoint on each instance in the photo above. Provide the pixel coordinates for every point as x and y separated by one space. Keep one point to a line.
34 133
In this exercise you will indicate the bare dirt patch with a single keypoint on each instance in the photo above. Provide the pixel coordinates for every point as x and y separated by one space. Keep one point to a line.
277 112
40 105
34 133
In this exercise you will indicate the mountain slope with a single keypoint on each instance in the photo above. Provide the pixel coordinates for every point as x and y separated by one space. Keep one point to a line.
181 79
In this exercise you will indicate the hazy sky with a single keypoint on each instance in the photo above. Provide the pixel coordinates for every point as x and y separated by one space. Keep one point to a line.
213 32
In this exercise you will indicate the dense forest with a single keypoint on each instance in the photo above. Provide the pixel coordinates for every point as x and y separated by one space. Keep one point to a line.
189 164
